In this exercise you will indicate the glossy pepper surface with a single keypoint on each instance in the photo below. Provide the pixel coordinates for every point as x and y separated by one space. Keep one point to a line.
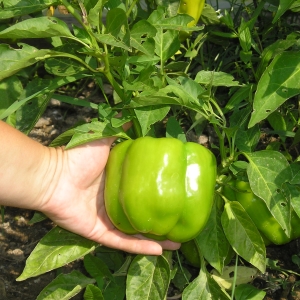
258 211
160 187
192 8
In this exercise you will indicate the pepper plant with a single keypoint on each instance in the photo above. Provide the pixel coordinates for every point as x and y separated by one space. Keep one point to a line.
234 75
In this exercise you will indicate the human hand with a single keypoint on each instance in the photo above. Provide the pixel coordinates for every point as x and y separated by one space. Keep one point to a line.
75 200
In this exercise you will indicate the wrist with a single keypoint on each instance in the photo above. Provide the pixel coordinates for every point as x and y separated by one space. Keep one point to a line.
27 169
47 176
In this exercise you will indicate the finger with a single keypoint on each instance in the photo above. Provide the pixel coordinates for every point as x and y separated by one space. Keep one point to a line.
118 240
169 245
166 244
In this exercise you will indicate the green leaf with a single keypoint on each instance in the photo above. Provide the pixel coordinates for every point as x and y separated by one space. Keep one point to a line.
109 39
94 131
16 8
284 5
179 280
75 101
139 41
56 249
41 27
177 23
94 11
292 192
238 167
243 235
241 94
278 83
92 293
114 259
116 18
39 87
212 78
116 289
240 117
149 115
247 140
143 59
96 267
209 15
244 36
28 114
63 66
249 292
185 93
271 51
65 286
267 172
11 89
278 123
166 44
204 287
296 138
296 173
148 278
212 241
175 130
37 217
17 104
13 60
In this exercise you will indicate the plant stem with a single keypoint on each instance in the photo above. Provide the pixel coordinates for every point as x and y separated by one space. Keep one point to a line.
131 7
234 277
181 268
222 146
71 10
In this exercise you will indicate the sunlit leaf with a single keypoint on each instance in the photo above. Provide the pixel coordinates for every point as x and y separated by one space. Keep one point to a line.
148 278
56 249
243 235
65 286
279 82
267 171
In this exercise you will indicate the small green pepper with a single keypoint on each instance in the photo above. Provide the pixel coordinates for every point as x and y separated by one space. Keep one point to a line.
160 187
258 211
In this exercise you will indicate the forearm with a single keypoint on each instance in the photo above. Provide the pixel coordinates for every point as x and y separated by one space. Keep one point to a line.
26 169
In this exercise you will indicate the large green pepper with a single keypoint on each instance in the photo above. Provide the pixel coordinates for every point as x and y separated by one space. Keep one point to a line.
162 188
258 211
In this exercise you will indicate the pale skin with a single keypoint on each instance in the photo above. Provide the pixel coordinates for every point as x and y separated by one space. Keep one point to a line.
67 186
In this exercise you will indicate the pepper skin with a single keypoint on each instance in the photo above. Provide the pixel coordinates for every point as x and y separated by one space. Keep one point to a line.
192 8
160 187
261 216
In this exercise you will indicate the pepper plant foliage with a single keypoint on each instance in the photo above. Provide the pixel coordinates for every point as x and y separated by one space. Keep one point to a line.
237 75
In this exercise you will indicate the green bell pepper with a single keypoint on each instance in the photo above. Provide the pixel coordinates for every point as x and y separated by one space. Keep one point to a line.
160 187
261 216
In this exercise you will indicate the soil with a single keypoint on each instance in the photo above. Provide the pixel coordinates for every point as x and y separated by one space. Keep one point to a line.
18 238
